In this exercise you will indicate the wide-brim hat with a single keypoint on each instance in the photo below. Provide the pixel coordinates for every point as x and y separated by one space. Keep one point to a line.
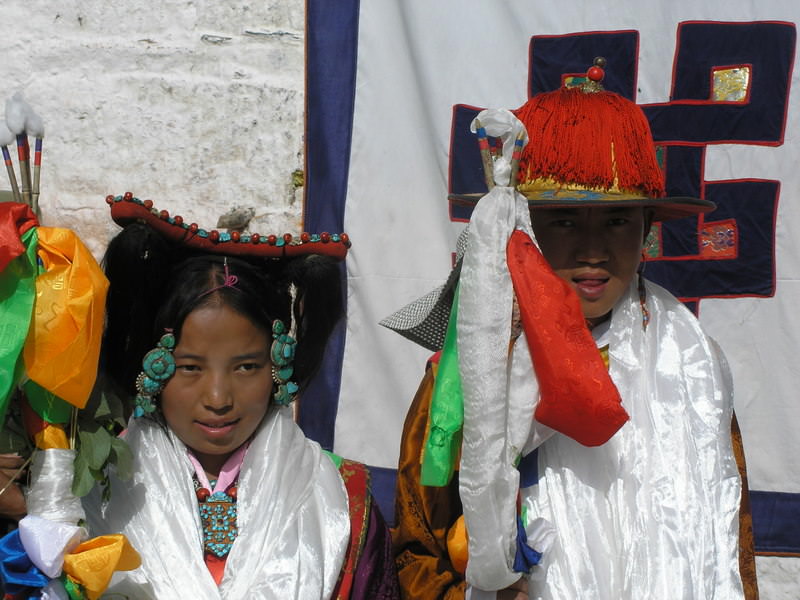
664 209
591 148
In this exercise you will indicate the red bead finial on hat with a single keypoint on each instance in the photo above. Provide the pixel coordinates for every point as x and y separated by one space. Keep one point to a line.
594 75
596 72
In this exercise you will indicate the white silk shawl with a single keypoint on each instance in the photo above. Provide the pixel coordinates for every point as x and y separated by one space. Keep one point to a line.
652 513
292 518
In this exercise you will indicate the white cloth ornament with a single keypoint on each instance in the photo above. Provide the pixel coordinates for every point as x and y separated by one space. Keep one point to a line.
46 542
500 393
50 495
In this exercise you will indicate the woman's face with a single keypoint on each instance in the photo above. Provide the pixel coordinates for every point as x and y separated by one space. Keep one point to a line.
596 250
222 384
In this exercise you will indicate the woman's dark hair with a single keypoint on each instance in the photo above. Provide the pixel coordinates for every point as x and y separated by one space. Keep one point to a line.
200 281
154 286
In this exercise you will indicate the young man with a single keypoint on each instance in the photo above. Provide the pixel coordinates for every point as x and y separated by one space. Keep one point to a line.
628 486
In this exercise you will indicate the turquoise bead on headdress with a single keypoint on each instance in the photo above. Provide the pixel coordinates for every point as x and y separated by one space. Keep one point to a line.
284 373
150 386
285 393
282 356
283 345
158 366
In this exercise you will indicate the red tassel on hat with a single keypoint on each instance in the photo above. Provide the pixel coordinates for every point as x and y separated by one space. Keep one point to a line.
577 396
594 139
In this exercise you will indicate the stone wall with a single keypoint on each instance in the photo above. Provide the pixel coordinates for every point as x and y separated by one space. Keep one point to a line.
195 104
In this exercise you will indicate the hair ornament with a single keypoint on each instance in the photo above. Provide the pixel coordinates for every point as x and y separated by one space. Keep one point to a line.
229 282
158 366
282 357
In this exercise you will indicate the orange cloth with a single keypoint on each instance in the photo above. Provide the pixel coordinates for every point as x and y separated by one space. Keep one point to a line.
424 515
63 344
93 562
458 545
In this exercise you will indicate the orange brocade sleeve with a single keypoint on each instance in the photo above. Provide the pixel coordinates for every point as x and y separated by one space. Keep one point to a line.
423 515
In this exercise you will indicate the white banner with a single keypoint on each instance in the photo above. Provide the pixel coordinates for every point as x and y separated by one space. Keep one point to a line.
417 60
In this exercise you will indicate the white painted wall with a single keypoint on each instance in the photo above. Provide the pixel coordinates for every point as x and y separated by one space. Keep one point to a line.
196 104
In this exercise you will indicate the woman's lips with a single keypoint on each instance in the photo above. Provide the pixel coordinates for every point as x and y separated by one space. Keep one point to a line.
590 288
216 428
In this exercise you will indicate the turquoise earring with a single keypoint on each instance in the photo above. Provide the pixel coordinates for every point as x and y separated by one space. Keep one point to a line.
158 366
282 357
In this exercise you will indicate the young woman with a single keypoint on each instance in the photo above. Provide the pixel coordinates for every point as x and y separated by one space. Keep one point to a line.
228 498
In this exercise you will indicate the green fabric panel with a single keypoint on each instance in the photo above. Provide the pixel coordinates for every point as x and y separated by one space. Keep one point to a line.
17 294
73 588
47 405
337 460
447 412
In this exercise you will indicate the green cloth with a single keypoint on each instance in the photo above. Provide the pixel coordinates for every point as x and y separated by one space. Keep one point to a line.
74 589
47 405
337 460
17 295
447 412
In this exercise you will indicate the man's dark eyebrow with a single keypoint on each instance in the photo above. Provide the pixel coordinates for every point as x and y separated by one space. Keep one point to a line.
567 212
620 209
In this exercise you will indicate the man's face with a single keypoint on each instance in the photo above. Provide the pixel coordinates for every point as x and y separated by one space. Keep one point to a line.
595 250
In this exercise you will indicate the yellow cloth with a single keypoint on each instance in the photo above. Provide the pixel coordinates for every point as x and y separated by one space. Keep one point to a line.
604 354
92 563
63 344
52 436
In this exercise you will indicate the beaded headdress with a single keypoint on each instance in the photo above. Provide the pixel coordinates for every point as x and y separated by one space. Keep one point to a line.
140 261
127 209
